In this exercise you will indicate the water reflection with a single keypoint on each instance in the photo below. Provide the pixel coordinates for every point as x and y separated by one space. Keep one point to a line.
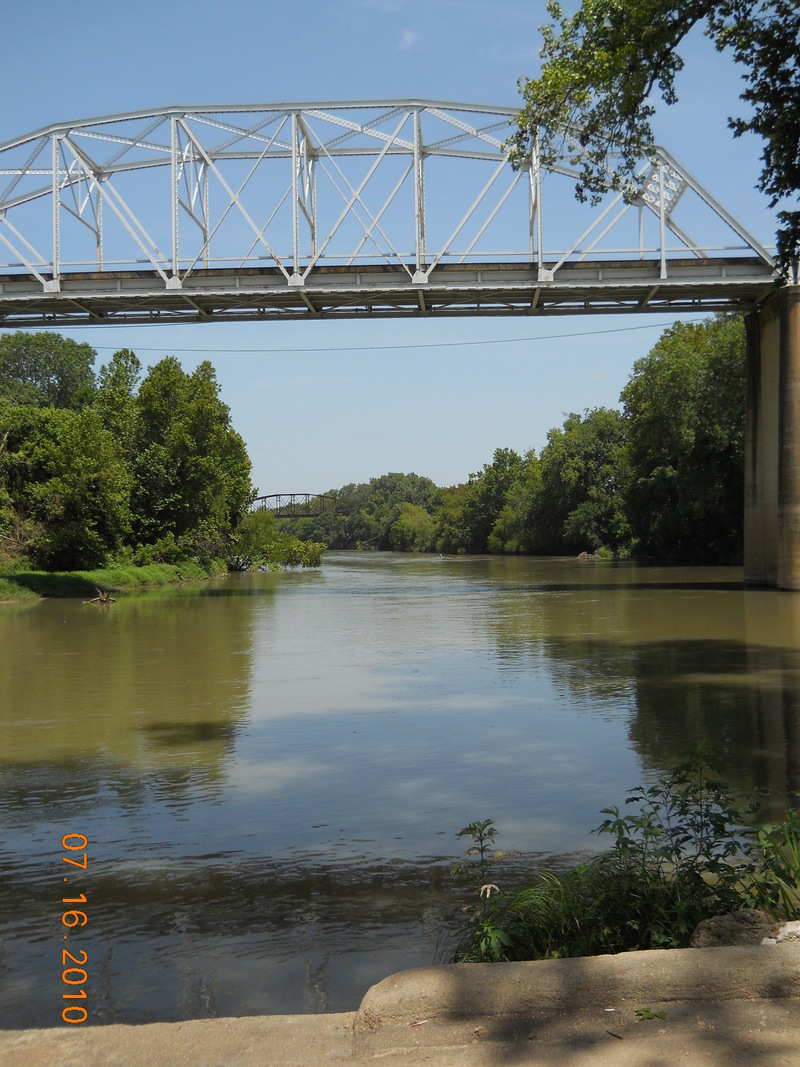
152 679
271 769
695 660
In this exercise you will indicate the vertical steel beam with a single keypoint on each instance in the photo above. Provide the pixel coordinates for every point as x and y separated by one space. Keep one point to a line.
419 201
662 220
99 232
295 197
206 220
312 165
537 164
174 186
533 207
56 214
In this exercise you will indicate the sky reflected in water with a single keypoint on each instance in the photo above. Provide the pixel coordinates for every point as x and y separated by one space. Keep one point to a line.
271 769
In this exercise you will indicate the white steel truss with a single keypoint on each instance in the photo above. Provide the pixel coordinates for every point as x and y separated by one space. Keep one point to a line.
402 207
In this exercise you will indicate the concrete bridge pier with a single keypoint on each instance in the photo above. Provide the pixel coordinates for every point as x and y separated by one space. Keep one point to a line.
772 443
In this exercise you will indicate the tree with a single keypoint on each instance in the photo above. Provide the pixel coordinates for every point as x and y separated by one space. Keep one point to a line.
115 399
46 370
487 497
65 476
414 530
452 535
375 514
684 405
581 504
514 529
603 65
192 471
256 543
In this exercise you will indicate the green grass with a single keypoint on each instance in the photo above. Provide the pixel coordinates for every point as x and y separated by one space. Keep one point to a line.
19 584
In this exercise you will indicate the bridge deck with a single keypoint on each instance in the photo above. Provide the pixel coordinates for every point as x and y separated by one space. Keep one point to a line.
511 288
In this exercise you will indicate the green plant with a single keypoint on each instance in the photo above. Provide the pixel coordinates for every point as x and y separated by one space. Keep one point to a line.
687 847
559 915
685 852
485 940
648 1013
777 887
479 853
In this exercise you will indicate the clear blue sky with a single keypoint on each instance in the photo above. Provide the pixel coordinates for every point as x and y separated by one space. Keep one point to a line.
438 411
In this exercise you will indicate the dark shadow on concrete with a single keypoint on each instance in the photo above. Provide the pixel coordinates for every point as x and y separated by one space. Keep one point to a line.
723 1006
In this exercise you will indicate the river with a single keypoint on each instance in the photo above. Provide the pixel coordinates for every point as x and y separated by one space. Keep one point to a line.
270 770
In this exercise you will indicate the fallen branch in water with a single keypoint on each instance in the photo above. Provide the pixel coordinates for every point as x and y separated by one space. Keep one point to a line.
101 598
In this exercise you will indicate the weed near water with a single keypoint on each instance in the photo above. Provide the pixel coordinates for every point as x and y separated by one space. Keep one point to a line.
685 852
487 941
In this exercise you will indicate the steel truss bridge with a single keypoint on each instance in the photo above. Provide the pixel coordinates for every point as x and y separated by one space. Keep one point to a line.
343 210
295 505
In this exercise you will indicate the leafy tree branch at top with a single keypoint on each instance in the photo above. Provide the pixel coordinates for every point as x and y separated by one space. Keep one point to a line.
603 66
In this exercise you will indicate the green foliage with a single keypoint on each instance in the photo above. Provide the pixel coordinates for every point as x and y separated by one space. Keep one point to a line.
21 583
384 514
559 915
602 66
515 527
765 42
414 530
192 471
489 490
685 852
452 535
470 512
777 888
648 1013
165 477
487 941
89 472
250 544
256 543
684 407
584 474
46 370
288 551
686 845
116 401
67 479
479 856
663 478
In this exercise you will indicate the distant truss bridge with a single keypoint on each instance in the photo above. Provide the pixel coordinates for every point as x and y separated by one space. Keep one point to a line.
295 505
344 210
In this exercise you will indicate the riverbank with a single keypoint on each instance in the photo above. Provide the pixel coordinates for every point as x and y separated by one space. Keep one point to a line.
704 1007
23 585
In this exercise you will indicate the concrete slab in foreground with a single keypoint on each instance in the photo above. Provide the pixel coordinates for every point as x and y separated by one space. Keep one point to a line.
723 1007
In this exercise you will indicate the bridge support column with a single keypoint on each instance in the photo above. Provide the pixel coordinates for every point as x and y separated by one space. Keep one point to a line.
772 443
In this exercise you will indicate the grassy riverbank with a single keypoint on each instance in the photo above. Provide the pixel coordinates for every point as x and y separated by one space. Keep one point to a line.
17 584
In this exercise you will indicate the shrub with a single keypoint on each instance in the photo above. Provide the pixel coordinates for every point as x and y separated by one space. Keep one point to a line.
686 852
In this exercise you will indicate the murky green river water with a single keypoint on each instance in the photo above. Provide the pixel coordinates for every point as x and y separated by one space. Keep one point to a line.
270 770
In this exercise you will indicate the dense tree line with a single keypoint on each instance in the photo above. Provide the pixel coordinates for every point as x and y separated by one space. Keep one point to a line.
121 467
117 467
392 513
661 477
